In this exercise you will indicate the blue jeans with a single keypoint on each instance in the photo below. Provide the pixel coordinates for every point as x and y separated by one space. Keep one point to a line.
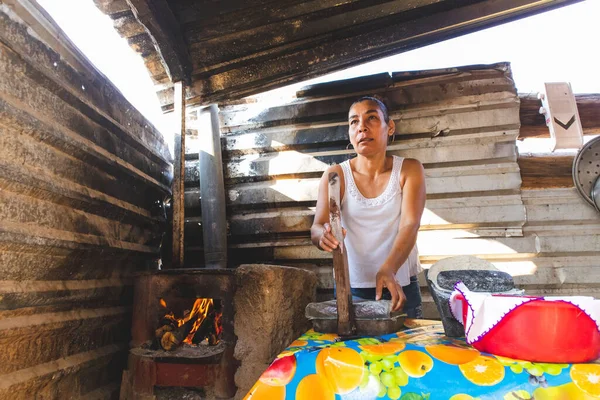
412 291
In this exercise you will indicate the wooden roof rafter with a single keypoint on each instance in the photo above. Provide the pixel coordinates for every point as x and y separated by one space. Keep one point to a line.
163 29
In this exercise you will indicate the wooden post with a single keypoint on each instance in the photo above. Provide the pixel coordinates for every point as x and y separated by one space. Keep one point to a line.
178 176
345 309
212 189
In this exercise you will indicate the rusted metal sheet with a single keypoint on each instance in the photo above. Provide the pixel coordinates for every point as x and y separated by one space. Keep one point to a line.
239 48
82 179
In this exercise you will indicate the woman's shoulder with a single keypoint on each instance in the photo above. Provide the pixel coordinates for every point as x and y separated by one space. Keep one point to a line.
411 163
411 168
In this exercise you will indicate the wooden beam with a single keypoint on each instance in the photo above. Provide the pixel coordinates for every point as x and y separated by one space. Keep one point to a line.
533 124
346 324
178 177
163 28
547 171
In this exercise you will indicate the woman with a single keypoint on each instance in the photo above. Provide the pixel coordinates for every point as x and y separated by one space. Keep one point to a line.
382 200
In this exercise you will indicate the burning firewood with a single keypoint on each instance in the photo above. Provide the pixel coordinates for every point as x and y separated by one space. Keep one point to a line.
162 330
173 338
201 322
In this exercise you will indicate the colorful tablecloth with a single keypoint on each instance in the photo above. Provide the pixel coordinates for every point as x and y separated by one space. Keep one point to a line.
415 364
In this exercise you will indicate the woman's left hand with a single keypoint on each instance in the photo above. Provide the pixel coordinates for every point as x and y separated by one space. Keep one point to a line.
387 278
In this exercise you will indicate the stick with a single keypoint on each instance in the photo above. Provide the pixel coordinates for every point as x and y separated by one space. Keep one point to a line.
346 318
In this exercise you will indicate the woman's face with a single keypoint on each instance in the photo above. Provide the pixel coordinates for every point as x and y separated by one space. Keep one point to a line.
368 130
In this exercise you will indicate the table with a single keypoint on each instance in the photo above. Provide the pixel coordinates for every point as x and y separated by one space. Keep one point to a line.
415 364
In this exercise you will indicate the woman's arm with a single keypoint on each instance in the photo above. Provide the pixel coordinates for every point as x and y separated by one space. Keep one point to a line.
320 231
413 203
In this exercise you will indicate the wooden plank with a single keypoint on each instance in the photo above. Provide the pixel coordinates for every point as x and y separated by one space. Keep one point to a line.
160 23
494 141
437 245
31 262
256 14
65 176
295 62
533 124
102 103
25 104
179 178
287 221
53 375
221 49
290 192
557 207
110 7
457 95
564 244
546 171
303 192
35 344
31 213
346 324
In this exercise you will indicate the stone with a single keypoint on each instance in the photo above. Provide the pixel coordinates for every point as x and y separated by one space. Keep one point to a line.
363 309
269 314
478 275
476 280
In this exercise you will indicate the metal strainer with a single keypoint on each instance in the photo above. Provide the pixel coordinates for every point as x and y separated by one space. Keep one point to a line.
586 169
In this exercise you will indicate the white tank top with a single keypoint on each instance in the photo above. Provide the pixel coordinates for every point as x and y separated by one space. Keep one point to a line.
372 225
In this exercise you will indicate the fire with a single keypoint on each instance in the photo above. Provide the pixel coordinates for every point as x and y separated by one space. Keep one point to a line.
202 308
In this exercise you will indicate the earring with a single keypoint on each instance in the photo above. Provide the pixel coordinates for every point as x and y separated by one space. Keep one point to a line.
348 145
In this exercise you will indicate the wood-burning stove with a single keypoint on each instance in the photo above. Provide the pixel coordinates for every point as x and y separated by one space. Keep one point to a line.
175 292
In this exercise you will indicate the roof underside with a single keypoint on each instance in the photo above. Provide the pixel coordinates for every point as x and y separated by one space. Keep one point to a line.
228 49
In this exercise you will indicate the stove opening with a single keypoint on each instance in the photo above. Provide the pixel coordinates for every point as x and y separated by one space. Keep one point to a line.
187 324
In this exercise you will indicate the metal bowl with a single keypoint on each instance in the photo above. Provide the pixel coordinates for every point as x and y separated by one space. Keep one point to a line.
596 194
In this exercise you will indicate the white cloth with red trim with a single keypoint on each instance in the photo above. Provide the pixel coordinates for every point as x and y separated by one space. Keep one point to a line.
486 311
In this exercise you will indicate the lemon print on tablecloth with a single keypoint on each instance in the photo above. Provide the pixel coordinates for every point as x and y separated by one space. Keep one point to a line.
483 371
452 354
461 396
314 387
342 367
587 378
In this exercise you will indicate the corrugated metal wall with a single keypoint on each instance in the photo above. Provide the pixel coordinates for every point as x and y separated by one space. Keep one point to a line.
81 172
461 123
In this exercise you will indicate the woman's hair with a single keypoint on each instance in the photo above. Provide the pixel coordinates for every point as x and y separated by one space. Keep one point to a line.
379 103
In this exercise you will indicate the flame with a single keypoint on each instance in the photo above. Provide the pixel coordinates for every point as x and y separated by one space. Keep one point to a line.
200 311
218 326
201 307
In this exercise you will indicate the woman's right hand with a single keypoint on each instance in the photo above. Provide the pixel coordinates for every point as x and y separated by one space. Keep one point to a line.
327 241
